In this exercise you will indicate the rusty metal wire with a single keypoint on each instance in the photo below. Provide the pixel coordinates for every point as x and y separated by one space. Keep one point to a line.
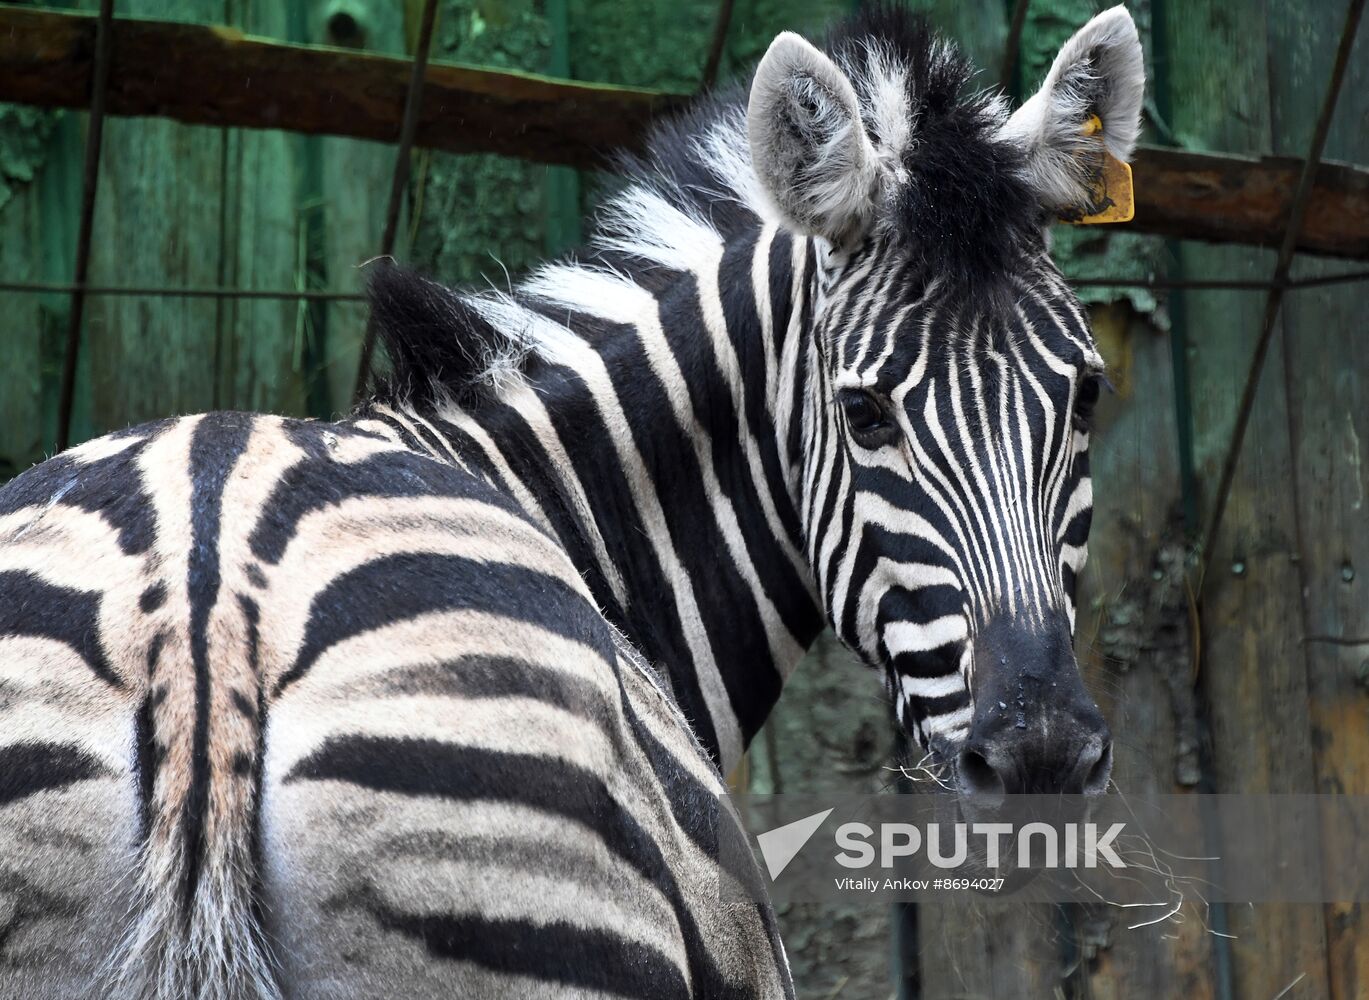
716 46
413 103
1228 284
90 182
330 295
1012 47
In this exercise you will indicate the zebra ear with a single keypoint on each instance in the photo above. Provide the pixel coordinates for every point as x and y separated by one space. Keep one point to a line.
1099 73
808 145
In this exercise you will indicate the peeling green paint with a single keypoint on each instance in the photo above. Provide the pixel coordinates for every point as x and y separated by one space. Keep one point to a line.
1089 252
24 134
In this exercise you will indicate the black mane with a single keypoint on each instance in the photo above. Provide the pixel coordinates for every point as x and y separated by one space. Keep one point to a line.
438 343
966 211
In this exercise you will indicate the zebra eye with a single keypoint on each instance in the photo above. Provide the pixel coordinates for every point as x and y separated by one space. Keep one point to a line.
866 417
1090 388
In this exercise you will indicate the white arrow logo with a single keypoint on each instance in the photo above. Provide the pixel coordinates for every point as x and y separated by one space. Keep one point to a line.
780 845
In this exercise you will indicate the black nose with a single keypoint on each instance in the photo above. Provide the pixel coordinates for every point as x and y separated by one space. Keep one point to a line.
1035 729
992 767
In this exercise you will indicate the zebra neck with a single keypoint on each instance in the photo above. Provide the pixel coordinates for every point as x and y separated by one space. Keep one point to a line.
656 435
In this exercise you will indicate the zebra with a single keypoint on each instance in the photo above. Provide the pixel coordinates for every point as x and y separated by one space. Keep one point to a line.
438 699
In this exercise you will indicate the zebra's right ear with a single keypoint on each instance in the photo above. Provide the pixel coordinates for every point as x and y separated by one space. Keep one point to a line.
808 144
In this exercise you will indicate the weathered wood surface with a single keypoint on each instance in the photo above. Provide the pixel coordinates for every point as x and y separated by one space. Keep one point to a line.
1327 385
1227 198
343 202
217 76
209 75
184 206
260 359
157 221
36 196
1226 69
1134 643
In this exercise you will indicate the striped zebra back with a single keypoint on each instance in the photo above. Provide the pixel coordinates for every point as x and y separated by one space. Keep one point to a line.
293 710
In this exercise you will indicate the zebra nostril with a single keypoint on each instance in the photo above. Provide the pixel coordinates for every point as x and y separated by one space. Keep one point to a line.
978 778
1099 770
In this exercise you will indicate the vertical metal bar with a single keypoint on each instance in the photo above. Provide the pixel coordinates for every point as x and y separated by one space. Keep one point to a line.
562 223
399 180
1296 214
716 46
90 181
1013 45
1178 306
1183 408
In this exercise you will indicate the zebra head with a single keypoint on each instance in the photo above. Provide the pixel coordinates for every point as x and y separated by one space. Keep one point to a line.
945 492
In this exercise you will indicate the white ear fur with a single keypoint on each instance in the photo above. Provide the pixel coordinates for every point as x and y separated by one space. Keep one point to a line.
808 144
1100 71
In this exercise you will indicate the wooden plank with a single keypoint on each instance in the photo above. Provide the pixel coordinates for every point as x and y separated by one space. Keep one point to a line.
157 222
1226 198
1253 668
211 75
217 76
261 357
186 207
1327 379
1133 641
26 142
345 207
482 219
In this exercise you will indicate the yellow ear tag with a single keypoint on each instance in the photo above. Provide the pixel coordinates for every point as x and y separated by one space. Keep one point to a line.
1111 198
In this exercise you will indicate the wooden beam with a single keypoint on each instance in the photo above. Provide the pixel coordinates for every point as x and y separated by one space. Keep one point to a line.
208 75
1223 198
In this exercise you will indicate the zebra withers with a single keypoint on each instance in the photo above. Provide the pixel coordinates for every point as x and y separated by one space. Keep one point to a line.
435 700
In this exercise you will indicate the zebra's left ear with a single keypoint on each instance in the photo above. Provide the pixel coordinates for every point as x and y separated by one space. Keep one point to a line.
808 145
1098 74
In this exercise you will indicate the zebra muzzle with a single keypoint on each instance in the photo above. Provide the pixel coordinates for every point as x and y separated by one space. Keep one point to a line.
1035 728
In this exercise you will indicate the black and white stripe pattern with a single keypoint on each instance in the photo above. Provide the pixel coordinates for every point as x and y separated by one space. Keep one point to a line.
993 444
437 700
